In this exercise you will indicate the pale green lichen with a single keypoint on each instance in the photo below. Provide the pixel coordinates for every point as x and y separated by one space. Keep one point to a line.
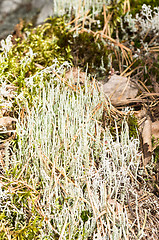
64 176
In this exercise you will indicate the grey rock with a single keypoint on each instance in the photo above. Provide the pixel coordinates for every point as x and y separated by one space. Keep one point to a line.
39 4
12 10
45 11
8 21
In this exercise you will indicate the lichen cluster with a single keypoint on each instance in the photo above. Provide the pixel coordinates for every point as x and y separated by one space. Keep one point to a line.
71 168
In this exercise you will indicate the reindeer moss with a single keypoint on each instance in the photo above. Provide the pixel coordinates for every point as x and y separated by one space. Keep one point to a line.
136 5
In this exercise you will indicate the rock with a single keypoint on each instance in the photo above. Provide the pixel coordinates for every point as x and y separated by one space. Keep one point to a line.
46 10
39 4
8 6
12 11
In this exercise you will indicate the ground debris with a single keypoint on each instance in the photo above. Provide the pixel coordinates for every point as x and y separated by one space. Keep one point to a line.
119 88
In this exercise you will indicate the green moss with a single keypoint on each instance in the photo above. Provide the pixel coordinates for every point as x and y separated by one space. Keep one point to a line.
133 126
38 49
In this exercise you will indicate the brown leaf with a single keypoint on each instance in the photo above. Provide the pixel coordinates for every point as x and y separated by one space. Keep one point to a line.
120 88
6 122
155 84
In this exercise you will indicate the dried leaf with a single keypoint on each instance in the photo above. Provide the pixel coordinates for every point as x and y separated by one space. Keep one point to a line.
120 88
6 122
155 84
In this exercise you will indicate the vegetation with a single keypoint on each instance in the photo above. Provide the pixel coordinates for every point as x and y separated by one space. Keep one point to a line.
72 166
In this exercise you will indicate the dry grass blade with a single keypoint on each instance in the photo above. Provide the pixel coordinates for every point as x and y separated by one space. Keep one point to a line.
153 39
84 18
95 211
126 6
63 229
123 73
74 20
106 29
60 171
127 102
75 28
64 80
125 56
150 94
123 48
154 49
147 142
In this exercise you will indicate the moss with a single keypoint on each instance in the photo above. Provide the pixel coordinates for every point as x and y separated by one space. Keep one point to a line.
89 53
133 126
29 54
36 49
41 45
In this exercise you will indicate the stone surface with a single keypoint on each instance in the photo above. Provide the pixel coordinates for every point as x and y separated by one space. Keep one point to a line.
11 11
46 10
39 4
